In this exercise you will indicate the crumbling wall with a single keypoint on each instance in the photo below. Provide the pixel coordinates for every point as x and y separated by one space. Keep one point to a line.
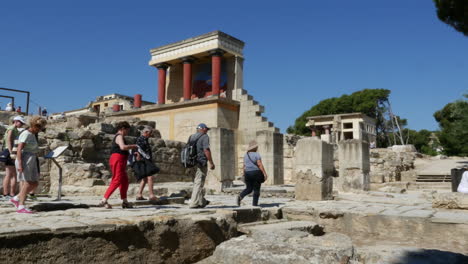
392 164
85 162
289 148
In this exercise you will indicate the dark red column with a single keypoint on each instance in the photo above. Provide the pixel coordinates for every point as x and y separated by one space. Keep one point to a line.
162 83
137 101
216 71
187 77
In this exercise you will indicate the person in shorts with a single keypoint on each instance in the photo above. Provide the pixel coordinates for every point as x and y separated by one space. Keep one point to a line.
11 134
27 165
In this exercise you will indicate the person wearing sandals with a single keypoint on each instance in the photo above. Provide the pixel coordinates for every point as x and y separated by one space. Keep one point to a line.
118 166
27 165
11 134
144 153
254 173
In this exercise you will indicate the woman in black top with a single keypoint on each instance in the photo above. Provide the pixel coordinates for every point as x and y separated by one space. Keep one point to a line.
144 153
118 166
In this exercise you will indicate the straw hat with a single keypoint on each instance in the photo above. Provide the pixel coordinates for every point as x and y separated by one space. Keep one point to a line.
252 145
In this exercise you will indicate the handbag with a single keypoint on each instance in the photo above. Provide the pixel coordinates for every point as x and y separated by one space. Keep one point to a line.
144 168
4 155
263 178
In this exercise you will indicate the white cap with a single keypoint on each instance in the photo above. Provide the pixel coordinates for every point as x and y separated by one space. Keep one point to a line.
19 118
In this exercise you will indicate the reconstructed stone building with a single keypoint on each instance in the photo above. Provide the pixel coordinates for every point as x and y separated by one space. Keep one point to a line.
201 80
335 128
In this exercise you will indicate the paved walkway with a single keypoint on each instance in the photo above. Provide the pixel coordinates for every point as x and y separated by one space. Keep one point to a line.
412 204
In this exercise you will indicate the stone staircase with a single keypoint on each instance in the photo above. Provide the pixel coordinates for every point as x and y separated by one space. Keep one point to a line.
434 178
415 185
251 114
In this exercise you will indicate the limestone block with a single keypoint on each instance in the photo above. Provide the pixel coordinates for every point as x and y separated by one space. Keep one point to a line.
54 133
79 121
141 123
288 163
313 169
283 246
376 177
310 186
88 151
354 166
403 148
84 133
103 127
270 147
452 200
222 146
157 142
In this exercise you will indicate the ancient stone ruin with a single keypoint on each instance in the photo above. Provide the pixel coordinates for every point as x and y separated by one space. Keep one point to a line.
331 198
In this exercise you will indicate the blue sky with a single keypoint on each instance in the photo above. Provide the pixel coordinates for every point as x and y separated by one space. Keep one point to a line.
297 53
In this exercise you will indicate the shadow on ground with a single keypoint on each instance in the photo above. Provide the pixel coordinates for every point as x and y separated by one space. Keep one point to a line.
432 256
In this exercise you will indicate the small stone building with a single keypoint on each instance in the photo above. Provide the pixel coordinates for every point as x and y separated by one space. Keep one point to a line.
334 128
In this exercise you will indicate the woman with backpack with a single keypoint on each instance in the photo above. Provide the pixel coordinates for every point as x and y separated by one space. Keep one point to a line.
254 174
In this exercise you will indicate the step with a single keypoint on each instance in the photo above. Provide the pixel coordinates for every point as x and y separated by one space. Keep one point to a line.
241 92
257 109
261 109
246 97
263 125
274 226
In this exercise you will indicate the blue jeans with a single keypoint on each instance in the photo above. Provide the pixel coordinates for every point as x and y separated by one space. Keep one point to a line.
253 182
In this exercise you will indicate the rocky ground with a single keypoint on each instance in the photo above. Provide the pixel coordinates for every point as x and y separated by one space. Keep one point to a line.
370 227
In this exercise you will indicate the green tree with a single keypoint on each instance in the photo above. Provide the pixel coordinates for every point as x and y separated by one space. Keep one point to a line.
372 102
454 13
453 122
422 141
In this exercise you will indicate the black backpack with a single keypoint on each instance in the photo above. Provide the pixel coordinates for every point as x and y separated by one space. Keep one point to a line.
188 156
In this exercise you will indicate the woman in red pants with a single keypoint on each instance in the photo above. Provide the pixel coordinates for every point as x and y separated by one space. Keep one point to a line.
118 166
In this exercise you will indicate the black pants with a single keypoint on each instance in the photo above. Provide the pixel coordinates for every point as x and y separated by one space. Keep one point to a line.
253 180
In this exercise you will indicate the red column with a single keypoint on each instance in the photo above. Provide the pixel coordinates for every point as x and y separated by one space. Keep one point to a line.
137 101
216 71
162 83
187 77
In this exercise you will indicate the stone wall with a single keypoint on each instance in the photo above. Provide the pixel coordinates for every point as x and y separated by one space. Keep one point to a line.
353 156
392 164
85 162
289 148
386 164
314 169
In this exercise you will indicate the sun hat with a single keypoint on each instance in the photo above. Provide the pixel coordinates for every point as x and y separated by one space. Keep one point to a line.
252 145
19 118
202 126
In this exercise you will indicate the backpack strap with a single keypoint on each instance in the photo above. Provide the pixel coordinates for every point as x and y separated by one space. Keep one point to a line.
196 140
252 160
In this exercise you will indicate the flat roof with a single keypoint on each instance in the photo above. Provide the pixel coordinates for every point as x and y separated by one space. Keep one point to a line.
358 114
207 35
